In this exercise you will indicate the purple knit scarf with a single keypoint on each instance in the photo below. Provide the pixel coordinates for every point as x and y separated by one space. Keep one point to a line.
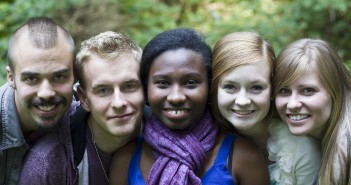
179 154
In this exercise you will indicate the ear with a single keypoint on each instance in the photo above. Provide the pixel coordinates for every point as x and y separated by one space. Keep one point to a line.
83 98
10 77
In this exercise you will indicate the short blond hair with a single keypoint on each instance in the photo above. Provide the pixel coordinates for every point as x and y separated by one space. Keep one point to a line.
109 45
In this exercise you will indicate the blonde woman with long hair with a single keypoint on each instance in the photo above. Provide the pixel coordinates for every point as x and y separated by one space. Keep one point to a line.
313 96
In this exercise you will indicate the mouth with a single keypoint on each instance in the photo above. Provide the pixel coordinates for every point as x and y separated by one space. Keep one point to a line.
121 116
46 108
177 112
243 112
297 117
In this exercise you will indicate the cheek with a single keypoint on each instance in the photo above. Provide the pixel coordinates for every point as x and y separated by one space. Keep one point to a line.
154 98
137 99
98 104
65 89
200 96
323 107
263 101
223 99
280 103
25 91
154 94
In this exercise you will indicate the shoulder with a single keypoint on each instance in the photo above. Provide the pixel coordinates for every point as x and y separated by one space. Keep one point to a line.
45 162
48 149
124 153
246 151
283 143
4 87
120 163
249 165
296 159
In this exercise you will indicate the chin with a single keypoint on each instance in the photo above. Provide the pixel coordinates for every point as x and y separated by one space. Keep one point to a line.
297 132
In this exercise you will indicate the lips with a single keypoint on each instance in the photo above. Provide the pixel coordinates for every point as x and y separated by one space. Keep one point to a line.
297 117
121 116
243 112
176 113
46 108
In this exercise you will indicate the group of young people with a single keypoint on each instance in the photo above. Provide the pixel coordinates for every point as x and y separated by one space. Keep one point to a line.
176 112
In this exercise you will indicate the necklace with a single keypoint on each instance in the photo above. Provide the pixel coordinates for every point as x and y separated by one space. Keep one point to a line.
102 166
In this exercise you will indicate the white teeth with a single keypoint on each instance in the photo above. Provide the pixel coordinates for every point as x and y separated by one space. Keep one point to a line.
243 112
176 112
46 108
298 117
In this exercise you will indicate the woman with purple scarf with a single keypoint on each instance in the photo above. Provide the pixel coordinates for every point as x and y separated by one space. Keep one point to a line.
181 143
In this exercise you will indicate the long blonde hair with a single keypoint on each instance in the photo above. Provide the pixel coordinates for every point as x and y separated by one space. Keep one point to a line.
336 137
233 50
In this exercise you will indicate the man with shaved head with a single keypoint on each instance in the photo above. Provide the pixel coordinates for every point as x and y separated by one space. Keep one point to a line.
36 102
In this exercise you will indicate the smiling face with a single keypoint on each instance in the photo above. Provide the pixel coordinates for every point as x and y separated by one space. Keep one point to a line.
305 105
244 95
112 93
43 80
178 88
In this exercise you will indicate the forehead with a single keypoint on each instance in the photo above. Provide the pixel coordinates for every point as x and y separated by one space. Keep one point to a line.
124 67
28 57
307 75
253 71
179 60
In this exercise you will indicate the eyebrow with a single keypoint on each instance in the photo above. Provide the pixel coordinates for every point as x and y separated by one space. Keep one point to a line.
61 71
29 73
103 83
251 82
132 81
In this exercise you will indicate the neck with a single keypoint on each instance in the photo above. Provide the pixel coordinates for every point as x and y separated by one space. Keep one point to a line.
105 141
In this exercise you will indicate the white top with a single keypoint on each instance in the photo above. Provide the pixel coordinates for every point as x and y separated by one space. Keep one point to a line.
296 158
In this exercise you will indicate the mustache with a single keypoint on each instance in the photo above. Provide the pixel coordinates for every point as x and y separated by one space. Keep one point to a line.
52 101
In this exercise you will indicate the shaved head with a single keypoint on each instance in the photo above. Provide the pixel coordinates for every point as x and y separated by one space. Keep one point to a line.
43 33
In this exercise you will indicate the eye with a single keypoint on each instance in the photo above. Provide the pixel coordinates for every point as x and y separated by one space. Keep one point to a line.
162 84
192 84
102 91
256 89
59 77
229 87
31 79
308 91
130 87
284 91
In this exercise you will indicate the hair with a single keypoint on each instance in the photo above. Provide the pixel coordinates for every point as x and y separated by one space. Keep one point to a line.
233 50
172 40
43 33
109 45
336 78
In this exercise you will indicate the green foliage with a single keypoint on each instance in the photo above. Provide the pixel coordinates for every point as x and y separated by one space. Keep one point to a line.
280 21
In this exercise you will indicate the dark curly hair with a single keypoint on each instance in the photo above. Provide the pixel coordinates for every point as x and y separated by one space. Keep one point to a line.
172 40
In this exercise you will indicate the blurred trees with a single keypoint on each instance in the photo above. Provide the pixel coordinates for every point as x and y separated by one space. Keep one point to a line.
280 21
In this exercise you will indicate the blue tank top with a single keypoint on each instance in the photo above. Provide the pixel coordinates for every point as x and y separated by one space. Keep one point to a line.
217 175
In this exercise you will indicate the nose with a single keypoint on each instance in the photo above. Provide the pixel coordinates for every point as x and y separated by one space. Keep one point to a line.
176 95
243 99
294 102
46 90
119 100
